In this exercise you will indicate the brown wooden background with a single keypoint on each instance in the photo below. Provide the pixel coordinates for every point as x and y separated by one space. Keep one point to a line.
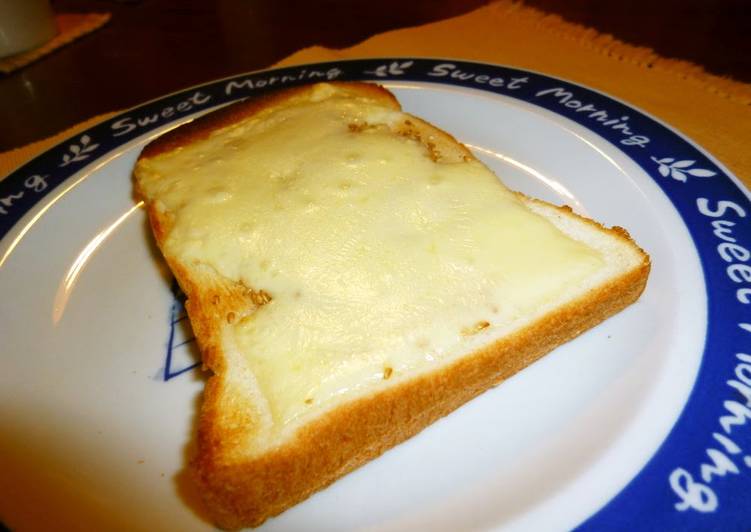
153 47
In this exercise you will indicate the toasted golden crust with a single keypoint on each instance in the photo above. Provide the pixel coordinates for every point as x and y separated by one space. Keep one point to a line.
247 491
202 127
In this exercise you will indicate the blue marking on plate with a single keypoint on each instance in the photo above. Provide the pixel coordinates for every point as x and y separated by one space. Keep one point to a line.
180 338
700 476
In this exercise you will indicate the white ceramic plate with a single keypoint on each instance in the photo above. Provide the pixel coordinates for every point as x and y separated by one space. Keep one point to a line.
99 394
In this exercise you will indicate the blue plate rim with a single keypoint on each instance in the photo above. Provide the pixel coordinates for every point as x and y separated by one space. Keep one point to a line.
697 477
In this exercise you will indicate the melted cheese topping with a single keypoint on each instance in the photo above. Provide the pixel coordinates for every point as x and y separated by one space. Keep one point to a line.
379 261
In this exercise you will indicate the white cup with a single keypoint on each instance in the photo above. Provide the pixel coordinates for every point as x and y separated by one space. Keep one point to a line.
25 24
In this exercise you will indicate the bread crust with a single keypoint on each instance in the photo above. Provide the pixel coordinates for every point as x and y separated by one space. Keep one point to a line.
246 491
202 127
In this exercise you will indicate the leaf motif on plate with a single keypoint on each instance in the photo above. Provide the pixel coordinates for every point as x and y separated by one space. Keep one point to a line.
395 68
701 172
79 151
677 169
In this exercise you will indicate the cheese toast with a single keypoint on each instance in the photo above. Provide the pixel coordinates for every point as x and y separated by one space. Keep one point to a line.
353 274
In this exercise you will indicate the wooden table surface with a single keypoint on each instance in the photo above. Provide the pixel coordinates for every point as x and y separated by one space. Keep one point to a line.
153 47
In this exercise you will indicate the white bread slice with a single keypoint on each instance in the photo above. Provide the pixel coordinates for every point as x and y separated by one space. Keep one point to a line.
257 455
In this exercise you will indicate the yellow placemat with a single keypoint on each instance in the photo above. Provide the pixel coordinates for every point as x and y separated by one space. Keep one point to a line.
70 26
714 111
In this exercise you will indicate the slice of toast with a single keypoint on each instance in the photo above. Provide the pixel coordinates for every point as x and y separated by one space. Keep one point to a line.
353 274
